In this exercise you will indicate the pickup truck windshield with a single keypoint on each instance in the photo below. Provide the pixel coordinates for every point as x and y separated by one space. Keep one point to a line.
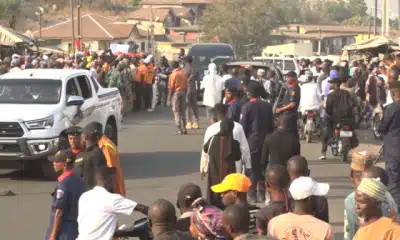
30 91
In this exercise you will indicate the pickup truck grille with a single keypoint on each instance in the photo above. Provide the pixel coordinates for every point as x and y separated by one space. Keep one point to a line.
11 129
9 148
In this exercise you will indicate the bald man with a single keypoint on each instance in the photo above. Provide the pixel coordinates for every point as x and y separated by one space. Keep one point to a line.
297 166
162 217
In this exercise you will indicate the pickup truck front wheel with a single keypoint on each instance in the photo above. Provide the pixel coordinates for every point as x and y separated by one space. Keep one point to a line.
111 132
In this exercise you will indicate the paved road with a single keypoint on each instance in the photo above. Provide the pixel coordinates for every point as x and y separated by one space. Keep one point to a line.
156 162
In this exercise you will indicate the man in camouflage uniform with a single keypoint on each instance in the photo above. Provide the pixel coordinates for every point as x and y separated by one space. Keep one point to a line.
127 86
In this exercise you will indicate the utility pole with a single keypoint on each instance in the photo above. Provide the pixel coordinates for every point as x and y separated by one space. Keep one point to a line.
73 27
79 26
152 26
370 25
40 14
376 18
385 17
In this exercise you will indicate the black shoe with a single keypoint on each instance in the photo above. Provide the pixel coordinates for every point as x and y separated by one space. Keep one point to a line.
184 132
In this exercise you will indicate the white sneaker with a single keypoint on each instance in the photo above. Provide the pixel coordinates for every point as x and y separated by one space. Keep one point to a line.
323 157
150 110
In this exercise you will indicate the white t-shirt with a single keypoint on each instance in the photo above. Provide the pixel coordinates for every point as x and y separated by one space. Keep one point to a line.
310 97
97 213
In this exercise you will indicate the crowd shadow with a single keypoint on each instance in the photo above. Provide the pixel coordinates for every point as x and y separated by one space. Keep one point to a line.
159 164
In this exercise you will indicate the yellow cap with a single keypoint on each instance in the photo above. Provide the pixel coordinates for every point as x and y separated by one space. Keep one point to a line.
233 182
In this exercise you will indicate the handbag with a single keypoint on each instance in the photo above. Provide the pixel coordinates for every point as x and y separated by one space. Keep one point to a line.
204 158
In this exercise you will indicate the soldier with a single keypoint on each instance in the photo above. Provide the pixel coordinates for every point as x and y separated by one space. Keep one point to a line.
126 89
115 79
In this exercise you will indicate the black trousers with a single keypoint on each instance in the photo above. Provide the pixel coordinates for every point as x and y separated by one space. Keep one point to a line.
147 95
138 88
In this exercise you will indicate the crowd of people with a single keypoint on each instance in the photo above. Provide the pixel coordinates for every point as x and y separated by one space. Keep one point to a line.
250 153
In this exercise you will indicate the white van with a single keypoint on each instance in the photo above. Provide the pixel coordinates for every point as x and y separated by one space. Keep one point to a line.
285 64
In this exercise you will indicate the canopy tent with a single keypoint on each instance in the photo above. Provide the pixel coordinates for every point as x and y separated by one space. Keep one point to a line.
377 44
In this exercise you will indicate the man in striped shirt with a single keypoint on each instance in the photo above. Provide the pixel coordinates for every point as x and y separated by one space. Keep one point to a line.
233 190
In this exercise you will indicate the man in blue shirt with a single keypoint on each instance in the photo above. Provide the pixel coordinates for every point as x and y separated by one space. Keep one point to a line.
234 105
63 223
257 121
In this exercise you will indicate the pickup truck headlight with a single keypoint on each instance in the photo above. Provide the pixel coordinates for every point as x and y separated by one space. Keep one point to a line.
40 123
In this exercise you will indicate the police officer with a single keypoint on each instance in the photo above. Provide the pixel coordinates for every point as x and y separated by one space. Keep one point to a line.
91 158
63 223
390 127
291 101
74 139
257 121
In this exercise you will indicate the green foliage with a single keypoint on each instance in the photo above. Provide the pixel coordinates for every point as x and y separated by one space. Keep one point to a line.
242 22
134 3
338 12
9 10
358 7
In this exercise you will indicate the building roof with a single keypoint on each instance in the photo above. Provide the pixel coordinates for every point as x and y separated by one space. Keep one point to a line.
94 27
19 37
327 28
192 28
175 2
158 14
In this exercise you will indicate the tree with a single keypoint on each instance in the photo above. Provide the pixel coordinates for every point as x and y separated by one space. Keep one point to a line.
241 22
9 9
338 12
134 3
358 7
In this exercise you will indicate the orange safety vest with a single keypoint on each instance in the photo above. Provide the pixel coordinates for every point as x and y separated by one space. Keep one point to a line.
150 74
141 70
111 154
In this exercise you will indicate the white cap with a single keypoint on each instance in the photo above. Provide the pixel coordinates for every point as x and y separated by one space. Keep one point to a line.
304 187
15 56
260 71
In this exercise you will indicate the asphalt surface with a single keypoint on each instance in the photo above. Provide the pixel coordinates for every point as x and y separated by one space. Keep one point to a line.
155 162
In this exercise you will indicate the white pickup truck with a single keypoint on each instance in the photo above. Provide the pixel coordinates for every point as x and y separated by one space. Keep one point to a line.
37 106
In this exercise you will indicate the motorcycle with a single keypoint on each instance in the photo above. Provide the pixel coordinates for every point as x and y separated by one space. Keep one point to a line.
140 229
342 141
309 125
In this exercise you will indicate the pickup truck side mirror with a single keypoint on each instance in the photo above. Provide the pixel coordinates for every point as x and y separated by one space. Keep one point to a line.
75 101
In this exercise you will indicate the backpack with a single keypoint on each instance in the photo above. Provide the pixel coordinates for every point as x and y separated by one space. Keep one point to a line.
344 107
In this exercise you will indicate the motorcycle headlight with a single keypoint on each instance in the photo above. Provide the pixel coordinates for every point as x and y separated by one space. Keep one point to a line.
40 123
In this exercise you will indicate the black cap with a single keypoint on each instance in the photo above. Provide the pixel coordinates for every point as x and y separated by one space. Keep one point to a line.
291 74
189 192
394 85
73 131
93 128
62 156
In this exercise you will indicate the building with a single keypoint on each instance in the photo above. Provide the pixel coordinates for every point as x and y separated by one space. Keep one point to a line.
197 6
326 39
9 36
98 32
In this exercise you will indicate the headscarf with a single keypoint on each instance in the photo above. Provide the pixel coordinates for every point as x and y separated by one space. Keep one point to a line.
207 220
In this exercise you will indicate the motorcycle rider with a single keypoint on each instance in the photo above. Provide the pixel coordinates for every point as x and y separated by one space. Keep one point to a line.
311 97
339 109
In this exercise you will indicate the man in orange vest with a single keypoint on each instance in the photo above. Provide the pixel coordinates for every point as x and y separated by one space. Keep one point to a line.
111 154
141 73
148 83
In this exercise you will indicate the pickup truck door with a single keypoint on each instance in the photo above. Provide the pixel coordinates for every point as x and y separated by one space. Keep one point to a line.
88 111
71 113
